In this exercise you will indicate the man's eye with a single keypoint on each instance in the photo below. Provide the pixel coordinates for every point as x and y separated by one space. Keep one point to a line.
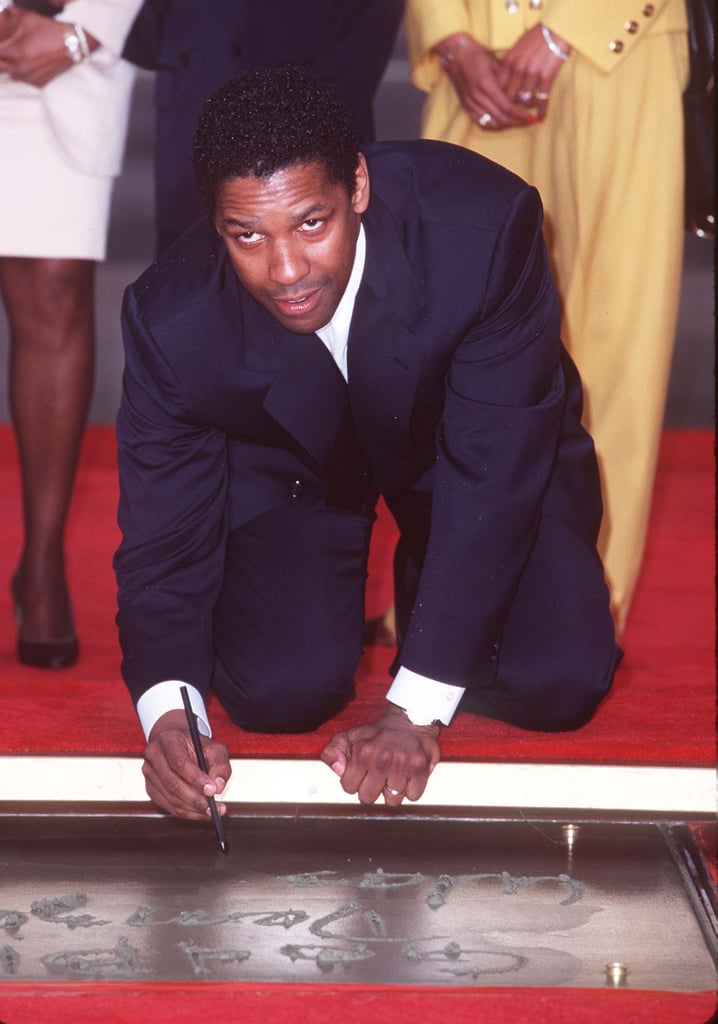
313 224
249 236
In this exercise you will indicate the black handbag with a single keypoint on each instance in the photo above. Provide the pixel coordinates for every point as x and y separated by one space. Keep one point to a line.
699 119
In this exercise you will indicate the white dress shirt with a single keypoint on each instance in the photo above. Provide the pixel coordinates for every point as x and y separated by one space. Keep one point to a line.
425 700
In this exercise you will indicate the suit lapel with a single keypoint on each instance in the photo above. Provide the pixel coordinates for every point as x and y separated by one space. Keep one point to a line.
308 396
384 355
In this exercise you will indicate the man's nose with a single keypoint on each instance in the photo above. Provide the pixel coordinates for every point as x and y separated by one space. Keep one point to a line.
288 264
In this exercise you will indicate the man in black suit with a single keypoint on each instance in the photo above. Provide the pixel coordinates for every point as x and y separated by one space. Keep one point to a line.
346 324
194 48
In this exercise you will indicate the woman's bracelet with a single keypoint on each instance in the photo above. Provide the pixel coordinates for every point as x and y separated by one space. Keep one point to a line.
447 56
553 45
78 49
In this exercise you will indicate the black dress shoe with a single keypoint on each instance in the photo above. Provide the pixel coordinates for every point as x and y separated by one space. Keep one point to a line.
52 654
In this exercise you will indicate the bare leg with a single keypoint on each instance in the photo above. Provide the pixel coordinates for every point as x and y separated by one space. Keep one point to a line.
50 306
382 629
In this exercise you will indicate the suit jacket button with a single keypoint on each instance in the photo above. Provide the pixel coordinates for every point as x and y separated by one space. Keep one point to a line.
616 45
295 489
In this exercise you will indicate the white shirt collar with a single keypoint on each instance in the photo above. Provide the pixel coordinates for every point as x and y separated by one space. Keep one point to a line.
335 334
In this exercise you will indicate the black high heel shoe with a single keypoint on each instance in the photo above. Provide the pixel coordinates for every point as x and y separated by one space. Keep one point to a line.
52 654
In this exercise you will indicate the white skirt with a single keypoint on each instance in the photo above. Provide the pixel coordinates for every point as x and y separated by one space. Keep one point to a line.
48 208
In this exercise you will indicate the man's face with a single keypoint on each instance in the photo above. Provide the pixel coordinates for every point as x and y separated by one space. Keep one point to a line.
291 239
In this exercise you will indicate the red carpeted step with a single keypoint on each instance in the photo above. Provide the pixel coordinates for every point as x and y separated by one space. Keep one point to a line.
119 1003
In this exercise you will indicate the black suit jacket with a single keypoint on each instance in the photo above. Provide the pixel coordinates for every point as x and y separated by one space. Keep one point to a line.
195 48
462 396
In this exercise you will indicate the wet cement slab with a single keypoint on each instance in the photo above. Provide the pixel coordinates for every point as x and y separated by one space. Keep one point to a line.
378 899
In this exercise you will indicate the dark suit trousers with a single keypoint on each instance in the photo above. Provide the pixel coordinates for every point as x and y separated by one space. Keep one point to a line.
554 658
288 622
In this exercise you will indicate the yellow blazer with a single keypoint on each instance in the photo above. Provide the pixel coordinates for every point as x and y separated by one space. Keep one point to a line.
603 31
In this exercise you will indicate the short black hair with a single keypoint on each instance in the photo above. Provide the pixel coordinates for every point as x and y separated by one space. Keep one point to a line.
266 120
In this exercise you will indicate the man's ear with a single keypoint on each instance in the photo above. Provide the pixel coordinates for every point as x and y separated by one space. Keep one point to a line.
362 190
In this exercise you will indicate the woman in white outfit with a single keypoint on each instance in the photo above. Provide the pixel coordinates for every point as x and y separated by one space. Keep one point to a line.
64 102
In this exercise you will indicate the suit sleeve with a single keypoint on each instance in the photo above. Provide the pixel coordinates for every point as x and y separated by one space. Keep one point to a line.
173 485
426 23
88 106
496 446
109 21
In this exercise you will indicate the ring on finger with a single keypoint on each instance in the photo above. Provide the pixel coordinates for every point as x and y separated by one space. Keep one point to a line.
394 792
525 96
541 95
485 120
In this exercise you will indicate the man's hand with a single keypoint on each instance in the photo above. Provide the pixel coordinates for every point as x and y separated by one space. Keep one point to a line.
390 757
173 778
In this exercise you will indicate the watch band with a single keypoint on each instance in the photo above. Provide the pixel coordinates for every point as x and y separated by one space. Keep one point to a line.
78 49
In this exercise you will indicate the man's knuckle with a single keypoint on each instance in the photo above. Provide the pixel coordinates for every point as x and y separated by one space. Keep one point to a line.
365 752
173 787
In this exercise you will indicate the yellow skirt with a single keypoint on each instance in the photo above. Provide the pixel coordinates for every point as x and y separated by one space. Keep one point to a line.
608 162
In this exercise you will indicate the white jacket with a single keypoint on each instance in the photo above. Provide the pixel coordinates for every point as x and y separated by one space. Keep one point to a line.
88 105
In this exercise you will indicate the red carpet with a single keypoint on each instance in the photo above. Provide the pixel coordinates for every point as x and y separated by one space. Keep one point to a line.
660 712
345 1004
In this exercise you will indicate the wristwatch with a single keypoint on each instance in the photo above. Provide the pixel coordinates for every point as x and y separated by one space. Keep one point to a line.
434 721
78 49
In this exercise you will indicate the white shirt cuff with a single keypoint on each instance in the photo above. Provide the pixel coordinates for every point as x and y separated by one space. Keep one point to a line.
166 696
425 700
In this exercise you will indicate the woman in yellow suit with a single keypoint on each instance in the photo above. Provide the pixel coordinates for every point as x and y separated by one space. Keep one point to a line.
583 100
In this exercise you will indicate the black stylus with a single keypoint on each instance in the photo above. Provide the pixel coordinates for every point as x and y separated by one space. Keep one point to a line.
194 733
